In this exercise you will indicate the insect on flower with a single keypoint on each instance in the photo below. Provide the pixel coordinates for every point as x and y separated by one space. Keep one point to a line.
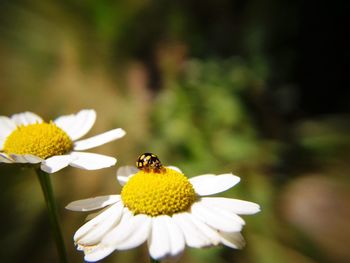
149 162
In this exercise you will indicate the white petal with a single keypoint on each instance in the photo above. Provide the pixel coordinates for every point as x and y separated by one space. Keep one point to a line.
99 139
80 248
119 232
91 161
26 118
218 219
141 229
237 206
233 240
6 127
56 163
90 225
169 232
207 231
209 184
94 203
96 253
131 232
176 237
175 169
193 236
221 212
124 173
96 233
77 125
93 215
159 240
25 158
4 158
33 159
18 158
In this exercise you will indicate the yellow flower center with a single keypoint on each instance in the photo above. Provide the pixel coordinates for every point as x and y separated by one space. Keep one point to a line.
158 193
40 139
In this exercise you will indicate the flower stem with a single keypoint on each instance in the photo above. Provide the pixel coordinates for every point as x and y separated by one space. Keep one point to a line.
46 187
153 260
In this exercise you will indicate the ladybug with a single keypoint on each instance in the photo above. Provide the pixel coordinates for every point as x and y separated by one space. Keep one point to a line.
148 162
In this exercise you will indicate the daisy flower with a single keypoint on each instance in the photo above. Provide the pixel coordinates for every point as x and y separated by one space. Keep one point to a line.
162 207
26 138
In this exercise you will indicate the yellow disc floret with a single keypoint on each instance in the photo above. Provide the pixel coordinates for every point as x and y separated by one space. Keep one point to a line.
39 139
162 193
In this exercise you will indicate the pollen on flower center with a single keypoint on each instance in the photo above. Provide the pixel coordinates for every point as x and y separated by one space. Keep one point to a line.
40 139
161 193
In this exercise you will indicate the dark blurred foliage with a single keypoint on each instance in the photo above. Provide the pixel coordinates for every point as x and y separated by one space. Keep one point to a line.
253 87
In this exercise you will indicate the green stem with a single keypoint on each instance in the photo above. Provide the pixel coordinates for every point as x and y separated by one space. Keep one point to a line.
153 260
46 187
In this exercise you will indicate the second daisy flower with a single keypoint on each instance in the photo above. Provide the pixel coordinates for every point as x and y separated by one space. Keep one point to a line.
26 138
163 207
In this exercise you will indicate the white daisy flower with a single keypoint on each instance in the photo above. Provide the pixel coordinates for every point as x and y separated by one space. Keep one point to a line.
164 208
26 138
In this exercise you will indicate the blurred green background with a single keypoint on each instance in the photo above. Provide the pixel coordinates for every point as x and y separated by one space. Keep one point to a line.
253 87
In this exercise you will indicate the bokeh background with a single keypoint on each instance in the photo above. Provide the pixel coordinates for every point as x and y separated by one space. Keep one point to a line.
253 87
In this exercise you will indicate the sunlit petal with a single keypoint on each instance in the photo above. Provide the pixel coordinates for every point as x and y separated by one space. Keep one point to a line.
237 206
77 125
193 236
159 241
91 161
99 139
25 158
209 184
96 253
94 203
56 163
90 225
142 226
100 229
217 219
